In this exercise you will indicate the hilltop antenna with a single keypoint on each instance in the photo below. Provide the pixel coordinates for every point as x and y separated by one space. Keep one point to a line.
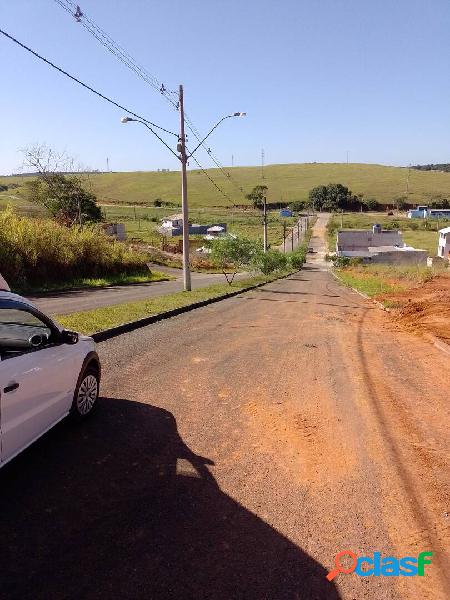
262 163
107 164
232 160
407 181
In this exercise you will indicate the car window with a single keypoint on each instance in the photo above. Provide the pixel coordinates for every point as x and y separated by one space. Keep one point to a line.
21 331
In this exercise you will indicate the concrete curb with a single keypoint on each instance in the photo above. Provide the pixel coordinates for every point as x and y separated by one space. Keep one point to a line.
365 296
437 342
106 334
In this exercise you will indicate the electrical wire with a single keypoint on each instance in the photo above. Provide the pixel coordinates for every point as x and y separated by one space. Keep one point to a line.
114 48
91 89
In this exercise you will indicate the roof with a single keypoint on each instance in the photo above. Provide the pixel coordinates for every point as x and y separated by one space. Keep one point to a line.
445 230
216 228
356 239
376 249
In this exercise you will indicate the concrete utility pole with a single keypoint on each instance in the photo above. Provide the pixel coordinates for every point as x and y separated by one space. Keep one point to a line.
265 220
184 202
284 237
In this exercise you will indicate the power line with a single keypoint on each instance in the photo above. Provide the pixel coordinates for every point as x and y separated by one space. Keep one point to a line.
145 121
91 89
114 48
219 189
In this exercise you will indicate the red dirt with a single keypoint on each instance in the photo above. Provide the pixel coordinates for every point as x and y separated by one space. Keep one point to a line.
424 309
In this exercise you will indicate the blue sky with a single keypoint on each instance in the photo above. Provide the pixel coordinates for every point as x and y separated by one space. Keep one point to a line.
317 79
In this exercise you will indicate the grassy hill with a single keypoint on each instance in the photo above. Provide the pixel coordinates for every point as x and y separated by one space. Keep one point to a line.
285 182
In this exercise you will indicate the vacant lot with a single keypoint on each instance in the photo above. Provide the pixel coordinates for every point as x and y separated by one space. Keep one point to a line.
285 182
418 297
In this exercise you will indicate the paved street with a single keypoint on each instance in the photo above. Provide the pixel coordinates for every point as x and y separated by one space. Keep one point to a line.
236 450
59 303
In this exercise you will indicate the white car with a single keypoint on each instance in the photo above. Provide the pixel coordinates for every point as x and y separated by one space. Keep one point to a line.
46 373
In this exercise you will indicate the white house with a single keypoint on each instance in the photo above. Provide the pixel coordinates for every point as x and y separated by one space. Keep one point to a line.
173 221
444 243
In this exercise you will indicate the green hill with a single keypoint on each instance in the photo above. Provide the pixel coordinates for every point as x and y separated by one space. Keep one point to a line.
285 182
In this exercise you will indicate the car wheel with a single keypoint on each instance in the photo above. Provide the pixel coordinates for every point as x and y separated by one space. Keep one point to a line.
86 393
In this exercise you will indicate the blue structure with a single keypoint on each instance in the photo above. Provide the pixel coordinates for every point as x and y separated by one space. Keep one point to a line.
285 212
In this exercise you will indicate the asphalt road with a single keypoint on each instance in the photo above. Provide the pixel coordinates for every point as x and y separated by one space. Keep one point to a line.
236 450
58 303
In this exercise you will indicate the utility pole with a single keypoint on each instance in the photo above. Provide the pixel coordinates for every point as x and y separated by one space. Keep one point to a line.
284 237
292 240
184 200
265 220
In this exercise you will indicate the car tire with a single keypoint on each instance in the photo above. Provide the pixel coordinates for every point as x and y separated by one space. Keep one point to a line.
86 393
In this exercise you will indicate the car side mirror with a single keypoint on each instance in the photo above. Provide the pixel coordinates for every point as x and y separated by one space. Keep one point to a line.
69 337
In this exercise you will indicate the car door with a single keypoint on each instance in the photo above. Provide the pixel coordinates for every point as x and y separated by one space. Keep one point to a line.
37 378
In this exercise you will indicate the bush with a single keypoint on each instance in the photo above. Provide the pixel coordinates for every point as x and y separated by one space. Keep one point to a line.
270 261
297 258
34 251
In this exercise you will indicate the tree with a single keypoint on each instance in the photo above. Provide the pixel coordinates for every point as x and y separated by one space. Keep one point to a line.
371 204
257 195
331 197
58 188
231 253
317 197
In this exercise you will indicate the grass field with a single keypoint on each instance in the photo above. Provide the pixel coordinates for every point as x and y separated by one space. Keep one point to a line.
142 222
285 182
419 233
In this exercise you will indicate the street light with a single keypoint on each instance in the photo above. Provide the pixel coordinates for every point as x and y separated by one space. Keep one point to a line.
183 158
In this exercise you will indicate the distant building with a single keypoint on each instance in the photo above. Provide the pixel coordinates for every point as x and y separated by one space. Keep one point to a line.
444 243
378 246
423 212
356 242
173 226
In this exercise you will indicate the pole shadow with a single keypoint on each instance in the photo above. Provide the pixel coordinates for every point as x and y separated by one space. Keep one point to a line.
120 507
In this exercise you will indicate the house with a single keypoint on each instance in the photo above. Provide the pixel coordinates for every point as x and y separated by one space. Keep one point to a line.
356 242
418 213
423 212
215 231
444 243
170 223
173 225
378 246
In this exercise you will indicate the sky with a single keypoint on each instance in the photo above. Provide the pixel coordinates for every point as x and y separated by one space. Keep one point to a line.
317 78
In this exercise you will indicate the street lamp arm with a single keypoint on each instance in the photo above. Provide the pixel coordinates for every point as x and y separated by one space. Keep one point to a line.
126 119
236 114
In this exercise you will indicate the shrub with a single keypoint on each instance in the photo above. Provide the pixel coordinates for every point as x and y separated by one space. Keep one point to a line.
270 261
297 258
33 251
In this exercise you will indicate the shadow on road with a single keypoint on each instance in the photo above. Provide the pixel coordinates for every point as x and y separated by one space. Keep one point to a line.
120 507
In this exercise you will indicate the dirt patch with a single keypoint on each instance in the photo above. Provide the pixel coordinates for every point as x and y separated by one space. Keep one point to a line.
424 309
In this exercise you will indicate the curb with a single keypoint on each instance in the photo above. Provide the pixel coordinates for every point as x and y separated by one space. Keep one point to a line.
365 296
437 342
106 334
